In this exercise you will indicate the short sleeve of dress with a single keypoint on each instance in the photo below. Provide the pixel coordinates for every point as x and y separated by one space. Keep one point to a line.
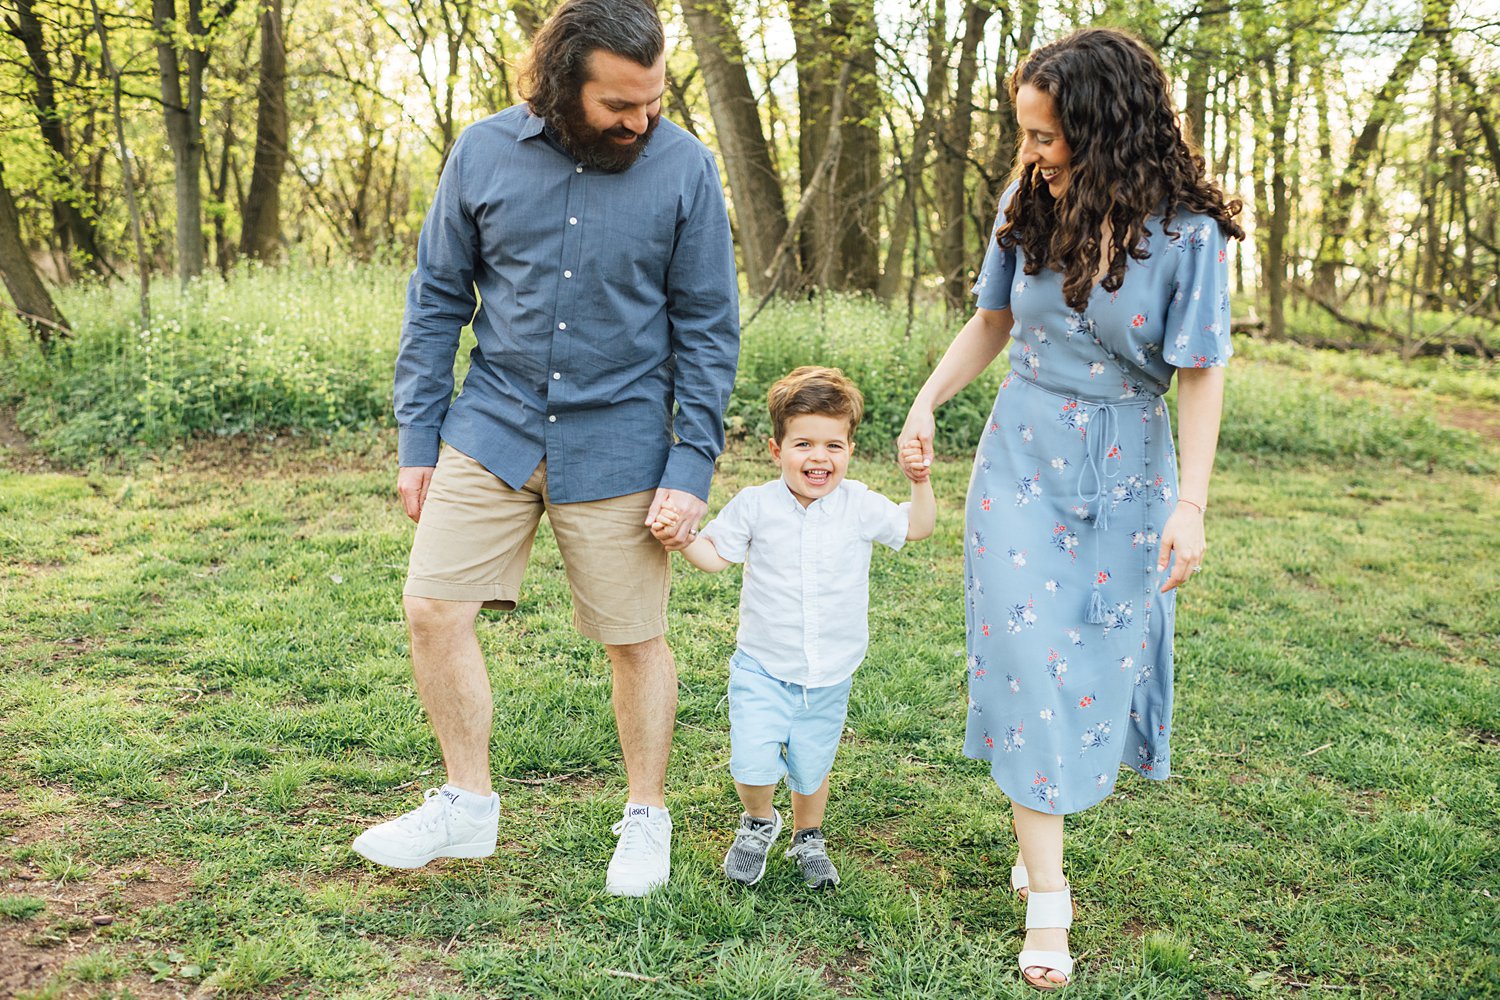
1197 322
730 530
992 287
882 519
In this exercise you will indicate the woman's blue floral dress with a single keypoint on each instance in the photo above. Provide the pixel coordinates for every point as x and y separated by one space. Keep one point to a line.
1069 640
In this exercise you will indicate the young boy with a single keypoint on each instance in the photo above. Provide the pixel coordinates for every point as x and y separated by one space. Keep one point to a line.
805 540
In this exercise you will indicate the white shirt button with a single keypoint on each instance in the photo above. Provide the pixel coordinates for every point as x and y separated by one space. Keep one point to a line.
562 326
578 169
573 221
552 419
567 274
557 375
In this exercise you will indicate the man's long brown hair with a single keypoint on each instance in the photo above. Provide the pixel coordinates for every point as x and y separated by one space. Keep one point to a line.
558 66
1130 161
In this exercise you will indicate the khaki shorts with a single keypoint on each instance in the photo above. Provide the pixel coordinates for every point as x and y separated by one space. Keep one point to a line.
475 536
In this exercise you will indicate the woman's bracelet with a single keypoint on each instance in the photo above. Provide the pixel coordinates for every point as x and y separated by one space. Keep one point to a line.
1202 507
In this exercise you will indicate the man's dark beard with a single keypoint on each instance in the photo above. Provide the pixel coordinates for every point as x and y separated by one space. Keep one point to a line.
596 148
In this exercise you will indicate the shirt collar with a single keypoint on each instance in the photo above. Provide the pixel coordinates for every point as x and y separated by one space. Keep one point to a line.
532 126
819 504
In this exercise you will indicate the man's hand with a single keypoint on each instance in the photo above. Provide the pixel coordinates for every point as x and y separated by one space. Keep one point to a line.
689 511
411 483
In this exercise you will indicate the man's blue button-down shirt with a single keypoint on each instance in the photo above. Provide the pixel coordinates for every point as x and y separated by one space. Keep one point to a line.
603 299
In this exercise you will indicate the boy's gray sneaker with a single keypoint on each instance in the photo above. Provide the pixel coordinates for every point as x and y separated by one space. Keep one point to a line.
746 861
812 857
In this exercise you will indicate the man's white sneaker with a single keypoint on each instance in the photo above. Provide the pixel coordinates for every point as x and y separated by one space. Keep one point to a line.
643 857
439 828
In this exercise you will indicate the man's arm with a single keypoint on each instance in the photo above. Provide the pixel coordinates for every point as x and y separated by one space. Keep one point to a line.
440 302
703 311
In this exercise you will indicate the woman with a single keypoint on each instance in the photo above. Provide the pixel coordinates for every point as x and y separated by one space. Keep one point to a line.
1106 274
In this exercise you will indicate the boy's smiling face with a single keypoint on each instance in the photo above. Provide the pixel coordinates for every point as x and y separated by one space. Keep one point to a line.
813 455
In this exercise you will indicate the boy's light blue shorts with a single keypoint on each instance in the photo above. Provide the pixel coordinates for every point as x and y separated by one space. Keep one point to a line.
781 730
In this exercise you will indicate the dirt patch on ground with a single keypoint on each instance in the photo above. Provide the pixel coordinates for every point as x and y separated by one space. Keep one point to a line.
16 452
78 917
50 923
1482 419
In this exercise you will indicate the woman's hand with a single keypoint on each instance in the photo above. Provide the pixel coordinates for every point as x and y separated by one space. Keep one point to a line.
1184 537
915 443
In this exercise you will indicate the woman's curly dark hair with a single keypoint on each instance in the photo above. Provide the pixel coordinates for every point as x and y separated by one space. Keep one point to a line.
558 67
1130 161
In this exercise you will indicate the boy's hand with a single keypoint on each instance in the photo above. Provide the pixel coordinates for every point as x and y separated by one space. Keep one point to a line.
664 528
914 462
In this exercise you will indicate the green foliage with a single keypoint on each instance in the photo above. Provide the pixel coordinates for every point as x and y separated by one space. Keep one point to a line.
20 907
875 347
296 349
310 350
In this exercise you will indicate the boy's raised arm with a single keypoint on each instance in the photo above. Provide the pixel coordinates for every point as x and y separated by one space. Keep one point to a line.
922 517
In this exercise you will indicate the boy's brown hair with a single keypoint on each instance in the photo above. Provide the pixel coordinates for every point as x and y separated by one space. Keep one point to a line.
812 389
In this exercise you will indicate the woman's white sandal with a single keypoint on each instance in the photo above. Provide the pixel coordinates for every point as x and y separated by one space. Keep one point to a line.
1019 883
1045 910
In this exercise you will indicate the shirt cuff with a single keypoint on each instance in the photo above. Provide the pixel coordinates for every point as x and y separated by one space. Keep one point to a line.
688 470
418 446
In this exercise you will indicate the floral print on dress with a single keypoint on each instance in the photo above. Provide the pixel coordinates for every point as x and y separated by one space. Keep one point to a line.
1072 609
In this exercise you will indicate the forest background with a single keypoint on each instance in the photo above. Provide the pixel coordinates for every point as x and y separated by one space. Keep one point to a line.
207 215
864 143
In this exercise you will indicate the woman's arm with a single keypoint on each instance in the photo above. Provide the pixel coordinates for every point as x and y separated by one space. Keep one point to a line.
1200 405
980 341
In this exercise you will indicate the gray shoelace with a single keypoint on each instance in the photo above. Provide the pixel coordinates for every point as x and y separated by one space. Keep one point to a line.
812 857
747 856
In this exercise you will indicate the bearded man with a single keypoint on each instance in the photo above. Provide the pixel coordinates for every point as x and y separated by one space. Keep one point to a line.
595 236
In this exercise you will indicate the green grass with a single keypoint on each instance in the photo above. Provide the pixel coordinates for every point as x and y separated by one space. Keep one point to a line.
205 686
206 683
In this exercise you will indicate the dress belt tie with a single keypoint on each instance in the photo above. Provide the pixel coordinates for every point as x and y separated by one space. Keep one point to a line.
1099 448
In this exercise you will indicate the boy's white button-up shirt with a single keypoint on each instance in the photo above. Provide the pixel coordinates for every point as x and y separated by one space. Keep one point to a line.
805 598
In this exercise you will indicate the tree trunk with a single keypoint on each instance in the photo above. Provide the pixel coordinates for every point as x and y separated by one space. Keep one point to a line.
76 228
840 235
32 300
1280 97
182 106
860 181
905 224
754 187
260 236
953 251
1002 158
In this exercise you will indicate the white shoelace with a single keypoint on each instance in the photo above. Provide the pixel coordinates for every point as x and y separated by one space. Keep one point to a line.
811 848
428 816
641 838
760 837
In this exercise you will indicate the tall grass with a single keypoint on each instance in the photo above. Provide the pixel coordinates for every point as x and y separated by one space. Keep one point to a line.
311 350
